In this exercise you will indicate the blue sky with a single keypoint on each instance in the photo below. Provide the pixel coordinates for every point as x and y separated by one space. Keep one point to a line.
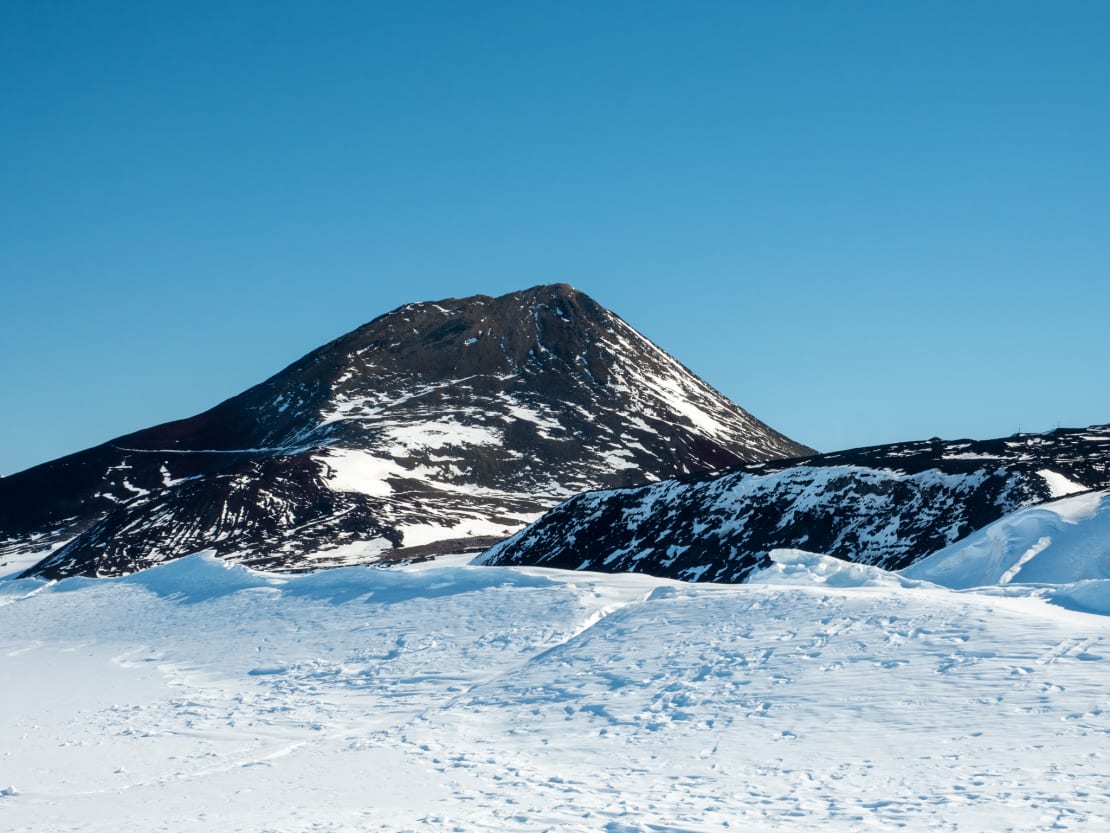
864 222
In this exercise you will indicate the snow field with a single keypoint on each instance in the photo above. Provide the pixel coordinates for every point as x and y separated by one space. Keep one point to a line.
197 696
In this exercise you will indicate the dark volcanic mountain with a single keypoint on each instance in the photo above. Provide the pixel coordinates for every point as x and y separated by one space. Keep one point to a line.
886 506
462 419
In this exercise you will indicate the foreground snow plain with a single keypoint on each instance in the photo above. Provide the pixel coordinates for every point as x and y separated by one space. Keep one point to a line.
443 697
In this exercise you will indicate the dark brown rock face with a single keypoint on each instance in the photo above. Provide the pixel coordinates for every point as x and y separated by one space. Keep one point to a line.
459 419
887 506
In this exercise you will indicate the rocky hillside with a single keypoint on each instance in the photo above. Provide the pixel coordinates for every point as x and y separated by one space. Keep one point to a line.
447 424
886 506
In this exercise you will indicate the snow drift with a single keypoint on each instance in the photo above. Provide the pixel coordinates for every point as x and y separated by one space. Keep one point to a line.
1060 542
827 696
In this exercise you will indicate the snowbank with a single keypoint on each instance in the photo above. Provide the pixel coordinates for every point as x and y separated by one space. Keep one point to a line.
1061 542
1084 596
801 568
205 577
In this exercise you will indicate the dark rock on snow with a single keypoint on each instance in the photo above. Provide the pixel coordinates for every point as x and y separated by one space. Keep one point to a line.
886 506
457 421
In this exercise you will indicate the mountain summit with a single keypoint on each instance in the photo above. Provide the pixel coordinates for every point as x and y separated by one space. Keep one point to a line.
442 424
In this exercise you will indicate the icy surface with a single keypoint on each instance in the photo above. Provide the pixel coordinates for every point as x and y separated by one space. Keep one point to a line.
828 696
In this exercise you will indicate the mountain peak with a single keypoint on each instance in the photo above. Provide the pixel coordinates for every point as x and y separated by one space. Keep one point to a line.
455 419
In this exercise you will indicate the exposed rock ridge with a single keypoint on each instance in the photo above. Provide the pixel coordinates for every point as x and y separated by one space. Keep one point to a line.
441 420
886 506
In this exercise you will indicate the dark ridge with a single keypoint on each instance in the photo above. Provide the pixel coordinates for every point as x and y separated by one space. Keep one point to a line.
887 506
488 410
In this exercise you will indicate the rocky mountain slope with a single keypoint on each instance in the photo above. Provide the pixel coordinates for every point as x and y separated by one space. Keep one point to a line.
454 421
886 506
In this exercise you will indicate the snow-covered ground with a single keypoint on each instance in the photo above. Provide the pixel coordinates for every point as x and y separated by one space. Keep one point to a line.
197 696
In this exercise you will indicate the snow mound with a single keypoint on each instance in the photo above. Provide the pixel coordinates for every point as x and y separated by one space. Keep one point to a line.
798 567
384 586
205 577
17 589
1061 542
1084 596
199 577
195 578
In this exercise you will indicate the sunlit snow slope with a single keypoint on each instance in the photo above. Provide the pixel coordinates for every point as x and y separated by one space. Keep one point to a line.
826 696
460 419
1063 541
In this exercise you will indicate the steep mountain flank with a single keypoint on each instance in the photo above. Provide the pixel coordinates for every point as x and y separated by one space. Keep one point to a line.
456 421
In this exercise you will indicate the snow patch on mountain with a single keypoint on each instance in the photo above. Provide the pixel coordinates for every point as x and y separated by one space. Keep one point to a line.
415 534
1060 486
437 434
354 470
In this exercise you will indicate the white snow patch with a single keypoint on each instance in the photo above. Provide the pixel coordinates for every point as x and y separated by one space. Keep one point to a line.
544 423
679 398
354 470
414 535
440 434
169 481
12 564
619 459
352 553
137 490
1060 486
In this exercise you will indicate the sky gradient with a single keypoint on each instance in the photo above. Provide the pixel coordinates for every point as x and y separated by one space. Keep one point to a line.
863 222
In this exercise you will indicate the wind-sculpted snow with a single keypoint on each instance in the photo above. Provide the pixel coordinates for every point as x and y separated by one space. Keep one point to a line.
458 421
1060 542
887 506
809 569
203 577
1091 596
199 695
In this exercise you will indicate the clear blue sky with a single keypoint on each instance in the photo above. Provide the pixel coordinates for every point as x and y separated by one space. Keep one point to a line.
864 222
